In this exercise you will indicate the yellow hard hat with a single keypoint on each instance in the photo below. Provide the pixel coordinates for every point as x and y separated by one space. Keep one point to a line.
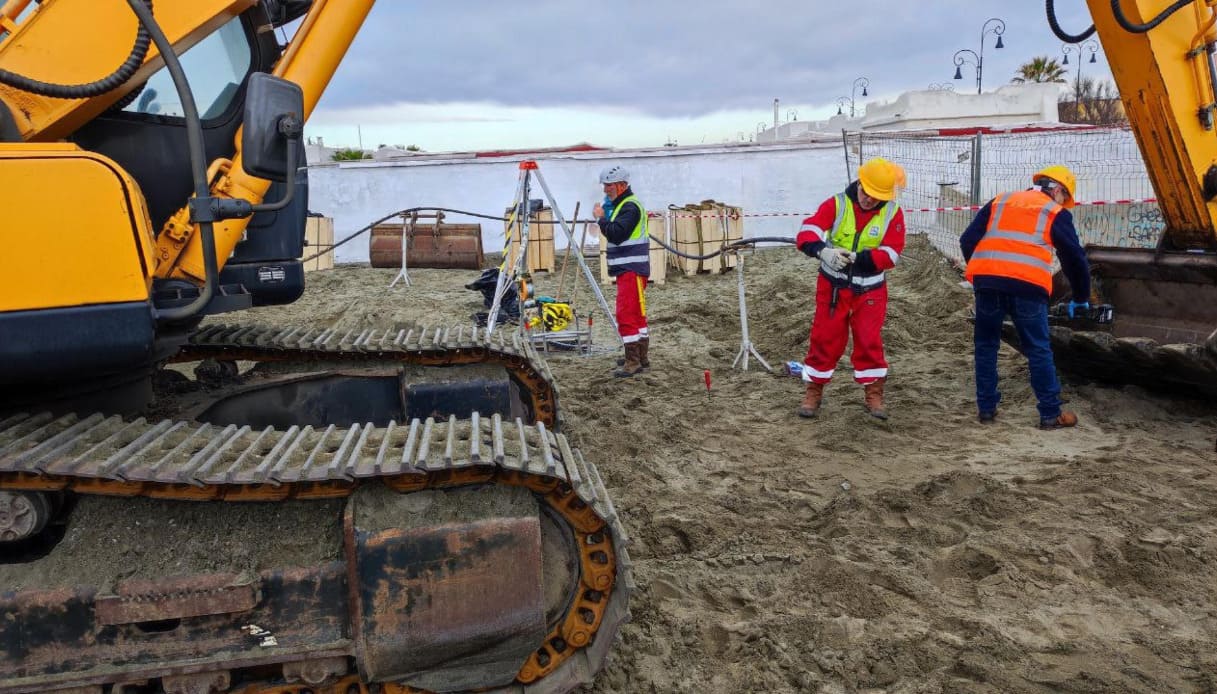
880 178
1063 176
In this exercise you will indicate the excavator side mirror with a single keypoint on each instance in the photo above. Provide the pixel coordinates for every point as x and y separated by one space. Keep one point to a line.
274 110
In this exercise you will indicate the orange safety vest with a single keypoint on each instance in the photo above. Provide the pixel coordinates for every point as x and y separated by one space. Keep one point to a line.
1018 240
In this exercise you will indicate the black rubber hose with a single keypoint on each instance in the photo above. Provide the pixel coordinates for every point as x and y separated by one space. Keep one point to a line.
198 161
726 247
1050 6
1142 28
84 91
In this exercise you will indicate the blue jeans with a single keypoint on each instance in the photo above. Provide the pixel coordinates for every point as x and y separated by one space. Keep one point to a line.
1030 318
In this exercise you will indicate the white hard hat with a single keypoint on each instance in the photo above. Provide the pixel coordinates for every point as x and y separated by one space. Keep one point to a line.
614 174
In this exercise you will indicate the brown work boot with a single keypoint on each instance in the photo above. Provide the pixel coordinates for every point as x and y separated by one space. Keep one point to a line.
1061 421
874 399
632 364
810 406
642 359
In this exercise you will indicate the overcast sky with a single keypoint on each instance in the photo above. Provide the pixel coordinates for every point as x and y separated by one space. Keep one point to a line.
480 74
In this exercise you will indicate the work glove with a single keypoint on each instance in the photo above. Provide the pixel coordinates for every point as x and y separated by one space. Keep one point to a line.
835 258
608 207
1075 305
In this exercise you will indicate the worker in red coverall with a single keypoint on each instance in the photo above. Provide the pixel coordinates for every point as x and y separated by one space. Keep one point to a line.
856 235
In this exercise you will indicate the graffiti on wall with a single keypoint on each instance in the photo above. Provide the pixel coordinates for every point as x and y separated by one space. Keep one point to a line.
1136 225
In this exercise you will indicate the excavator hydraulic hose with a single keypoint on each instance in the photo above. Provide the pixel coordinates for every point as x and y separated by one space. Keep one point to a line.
84 91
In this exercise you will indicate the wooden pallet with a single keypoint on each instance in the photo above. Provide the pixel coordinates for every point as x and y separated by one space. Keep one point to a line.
540 240
703 228
318 236
656 228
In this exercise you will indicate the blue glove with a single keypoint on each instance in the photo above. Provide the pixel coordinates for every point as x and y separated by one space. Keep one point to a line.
608 207
1074 305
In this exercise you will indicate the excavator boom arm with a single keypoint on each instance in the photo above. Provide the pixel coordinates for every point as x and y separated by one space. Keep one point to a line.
310 61
34 46
1165 78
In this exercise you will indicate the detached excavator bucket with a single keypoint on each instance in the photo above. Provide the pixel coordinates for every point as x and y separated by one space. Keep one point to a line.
1161 329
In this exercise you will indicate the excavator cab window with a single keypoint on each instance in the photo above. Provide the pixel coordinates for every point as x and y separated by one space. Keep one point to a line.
215 68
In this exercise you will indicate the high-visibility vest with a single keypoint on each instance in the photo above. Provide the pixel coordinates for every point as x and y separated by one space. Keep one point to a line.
633 254
1018 240
845 233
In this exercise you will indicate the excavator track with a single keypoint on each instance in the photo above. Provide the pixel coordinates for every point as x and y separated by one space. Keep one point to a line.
190 461
1188 369
422 346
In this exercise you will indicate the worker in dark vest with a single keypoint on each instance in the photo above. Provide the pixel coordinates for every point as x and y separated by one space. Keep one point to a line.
623 222
1009 247
857 235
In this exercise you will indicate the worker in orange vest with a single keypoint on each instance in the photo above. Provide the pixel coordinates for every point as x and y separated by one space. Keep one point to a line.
1009 247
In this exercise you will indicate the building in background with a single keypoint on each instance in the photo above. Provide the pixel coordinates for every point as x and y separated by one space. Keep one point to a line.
1009 106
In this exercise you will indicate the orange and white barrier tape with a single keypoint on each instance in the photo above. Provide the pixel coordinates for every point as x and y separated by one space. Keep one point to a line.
961 208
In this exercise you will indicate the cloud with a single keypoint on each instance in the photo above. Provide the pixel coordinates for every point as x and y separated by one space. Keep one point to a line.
677 59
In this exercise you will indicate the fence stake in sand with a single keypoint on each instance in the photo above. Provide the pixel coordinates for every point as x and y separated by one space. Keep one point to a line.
745 347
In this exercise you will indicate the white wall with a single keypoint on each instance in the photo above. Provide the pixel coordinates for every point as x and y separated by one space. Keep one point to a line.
778 178
1008 105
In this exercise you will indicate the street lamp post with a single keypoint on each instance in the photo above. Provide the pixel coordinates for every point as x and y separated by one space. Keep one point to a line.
978 59
859 83
1081 48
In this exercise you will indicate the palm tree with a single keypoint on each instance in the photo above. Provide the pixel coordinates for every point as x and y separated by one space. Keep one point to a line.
1040 69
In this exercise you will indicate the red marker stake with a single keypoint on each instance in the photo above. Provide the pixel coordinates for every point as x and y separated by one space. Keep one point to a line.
706 375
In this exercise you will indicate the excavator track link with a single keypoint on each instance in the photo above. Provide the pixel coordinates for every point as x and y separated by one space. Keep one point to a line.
1186 369
194 462
427 346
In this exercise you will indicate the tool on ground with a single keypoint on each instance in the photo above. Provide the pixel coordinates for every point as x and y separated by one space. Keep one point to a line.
706 375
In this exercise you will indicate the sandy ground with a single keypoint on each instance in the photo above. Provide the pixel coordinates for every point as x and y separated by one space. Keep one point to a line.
922 554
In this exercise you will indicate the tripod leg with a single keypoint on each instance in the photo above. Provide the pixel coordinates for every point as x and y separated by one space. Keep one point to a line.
587 273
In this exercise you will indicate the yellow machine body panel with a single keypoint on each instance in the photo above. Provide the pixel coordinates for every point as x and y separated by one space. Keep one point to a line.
1164 84
76 230
66 46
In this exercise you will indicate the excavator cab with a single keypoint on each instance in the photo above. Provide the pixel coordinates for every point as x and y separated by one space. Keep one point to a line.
1155 316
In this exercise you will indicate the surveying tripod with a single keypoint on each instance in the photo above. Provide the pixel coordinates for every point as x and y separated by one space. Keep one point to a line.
518 272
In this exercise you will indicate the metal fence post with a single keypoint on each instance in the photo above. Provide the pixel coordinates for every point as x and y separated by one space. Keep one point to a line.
849 176
976 152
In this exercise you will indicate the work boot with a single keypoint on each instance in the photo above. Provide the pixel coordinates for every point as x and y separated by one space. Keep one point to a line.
874 399
810 406
632 364
646 362
1061 421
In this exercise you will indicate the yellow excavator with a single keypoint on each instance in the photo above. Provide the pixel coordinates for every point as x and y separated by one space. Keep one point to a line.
391 510
1161 330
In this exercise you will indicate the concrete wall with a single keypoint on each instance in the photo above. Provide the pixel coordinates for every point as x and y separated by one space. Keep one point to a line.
782 178
1010 105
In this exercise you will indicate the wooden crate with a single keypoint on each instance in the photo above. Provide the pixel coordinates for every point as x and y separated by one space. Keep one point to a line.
693 231
318 236
656 227
703 228
540 240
